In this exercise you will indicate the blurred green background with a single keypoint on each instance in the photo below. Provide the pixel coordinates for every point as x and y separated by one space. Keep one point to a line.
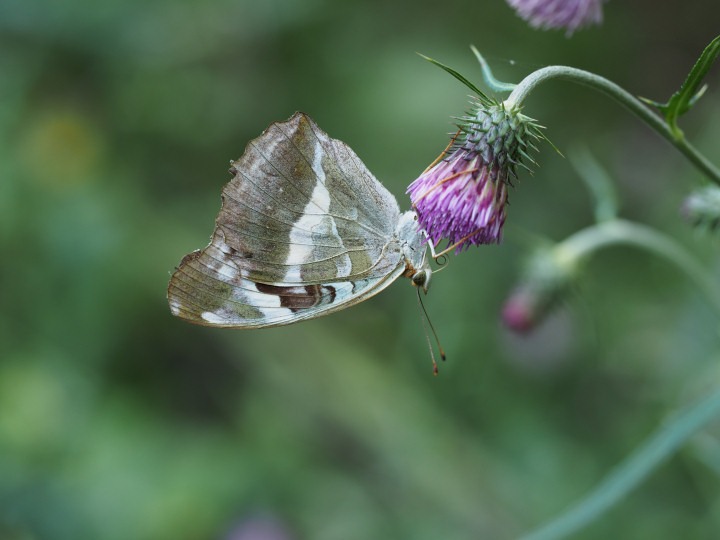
118 421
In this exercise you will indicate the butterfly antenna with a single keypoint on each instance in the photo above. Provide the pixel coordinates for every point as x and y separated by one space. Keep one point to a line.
425 323
443 153
456 244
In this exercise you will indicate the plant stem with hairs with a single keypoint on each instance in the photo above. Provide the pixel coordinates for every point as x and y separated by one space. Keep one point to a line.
635 105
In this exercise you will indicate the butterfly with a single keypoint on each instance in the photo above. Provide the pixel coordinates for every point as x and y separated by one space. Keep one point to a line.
304 230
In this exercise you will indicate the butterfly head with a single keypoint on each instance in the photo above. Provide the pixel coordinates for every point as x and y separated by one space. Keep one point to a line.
414 247
421 279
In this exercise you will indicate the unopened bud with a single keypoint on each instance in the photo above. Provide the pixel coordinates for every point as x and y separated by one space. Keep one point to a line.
545 282
702 208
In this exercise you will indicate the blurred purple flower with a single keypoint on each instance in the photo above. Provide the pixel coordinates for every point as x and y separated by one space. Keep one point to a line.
462 197
260 527
546 282
520 313
568 14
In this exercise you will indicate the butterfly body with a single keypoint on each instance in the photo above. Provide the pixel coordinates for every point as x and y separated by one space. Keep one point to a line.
304 230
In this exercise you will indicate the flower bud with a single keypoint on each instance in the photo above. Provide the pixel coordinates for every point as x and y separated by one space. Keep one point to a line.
702 208
545 283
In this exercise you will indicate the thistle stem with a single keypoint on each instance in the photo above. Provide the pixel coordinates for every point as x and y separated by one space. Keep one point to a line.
619 232
631 472
523 89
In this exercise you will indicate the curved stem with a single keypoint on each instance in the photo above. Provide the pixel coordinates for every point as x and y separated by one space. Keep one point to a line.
631 472
618 231
523 89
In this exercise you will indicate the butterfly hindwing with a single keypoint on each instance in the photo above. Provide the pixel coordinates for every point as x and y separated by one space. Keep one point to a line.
231 300
304 229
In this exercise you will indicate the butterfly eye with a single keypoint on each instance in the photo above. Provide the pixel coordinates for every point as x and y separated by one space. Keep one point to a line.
422 279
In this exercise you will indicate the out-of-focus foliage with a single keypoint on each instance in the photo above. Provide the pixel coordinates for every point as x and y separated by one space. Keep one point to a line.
117 421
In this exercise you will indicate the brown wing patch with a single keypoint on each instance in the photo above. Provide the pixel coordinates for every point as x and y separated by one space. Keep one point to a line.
301 297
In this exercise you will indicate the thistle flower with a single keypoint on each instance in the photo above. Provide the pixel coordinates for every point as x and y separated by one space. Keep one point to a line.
462 196
568 14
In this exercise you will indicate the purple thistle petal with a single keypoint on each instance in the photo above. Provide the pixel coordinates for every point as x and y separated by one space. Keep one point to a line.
456 199
568 14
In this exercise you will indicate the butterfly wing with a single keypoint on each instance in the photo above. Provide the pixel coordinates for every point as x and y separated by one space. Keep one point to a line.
304 229
199 296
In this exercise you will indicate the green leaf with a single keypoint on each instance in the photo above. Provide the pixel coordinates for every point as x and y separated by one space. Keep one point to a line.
490 80
480 94
690 91
598 182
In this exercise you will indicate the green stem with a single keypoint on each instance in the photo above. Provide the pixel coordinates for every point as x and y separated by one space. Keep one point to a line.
520 93
630 473
618 231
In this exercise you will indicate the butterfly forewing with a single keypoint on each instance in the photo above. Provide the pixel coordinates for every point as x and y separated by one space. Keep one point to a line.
303 208
304 229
